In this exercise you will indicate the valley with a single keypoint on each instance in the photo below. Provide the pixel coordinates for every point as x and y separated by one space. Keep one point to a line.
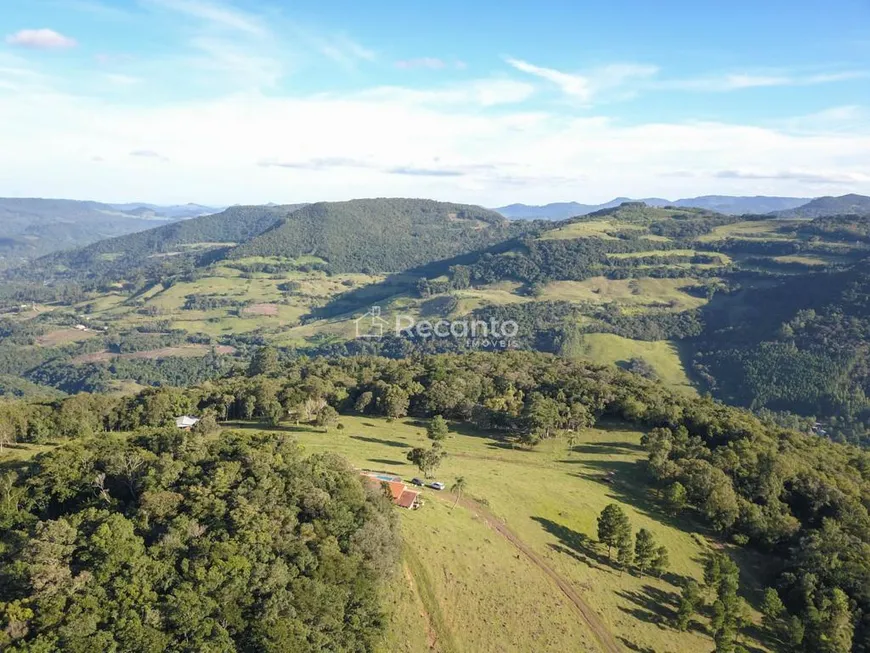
640 286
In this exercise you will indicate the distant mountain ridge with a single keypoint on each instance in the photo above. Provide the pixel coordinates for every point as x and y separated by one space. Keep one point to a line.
729 205
368 235
34 227
174 212
851 204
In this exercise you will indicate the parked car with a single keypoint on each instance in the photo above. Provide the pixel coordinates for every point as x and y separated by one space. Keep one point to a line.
418 482
437 485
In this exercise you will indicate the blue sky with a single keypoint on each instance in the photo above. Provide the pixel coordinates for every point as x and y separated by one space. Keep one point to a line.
487 102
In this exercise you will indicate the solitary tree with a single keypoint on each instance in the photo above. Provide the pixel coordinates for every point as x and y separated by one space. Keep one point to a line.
644 550
326 417
458 488
427 460
613 526
437 428
572 438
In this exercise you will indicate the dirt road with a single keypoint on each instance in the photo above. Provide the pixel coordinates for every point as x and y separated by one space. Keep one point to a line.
596 626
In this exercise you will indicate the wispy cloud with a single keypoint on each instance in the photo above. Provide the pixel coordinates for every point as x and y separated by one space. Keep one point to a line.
804 177
585 87
339 48
576 86
740 81
246 65
336 162
217 14
41 39
425 172
319 163
477 93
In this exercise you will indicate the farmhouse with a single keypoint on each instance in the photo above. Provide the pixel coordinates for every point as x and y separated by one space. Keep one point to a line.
401 495
186 422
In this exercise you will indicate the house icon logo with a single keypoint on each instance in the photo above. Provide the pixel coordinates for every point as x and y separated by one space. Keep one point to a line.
371 325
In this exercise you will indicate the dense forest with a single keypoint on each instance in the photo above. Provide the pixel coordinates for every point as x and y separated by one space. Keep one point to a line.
799 498
381 235
168 542
798 346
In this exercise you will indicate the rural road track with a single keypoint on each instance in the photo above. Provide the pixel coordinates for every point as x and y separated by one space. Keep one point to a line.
599 630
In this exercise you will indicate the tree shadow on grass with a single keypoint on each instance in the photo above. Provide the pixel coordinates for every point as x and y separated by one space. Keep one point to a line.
610 448
653 605
631 646
283 427
628 483
579 546
387 461
389 443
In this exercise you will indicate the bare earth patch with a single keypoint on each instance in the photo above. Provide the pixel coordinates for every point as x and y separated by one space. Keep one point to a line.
261 309
182 351
63 336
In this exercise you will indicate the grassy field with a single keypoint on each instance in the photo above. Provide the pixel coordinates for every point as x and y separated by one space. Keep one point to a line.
587 229
662 355
751 229
515 565
465 586
644 292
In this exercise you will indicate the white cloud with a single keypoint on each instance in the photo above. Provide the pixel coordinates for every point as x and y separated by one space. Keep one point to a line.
619 78
442 143
577 86
472 94
339 48
739 81
42 39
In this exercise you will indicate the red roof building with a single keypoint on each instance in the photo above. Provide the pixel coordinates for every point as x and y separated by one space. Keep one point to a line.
399 493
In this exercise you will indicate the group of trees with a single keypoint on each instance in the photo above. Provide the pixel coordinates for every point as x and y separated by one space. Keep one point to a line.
614 531
170 542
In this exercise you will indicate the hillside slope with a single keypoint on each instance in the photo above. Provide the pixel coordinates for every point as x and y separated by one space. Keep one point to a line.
827 206
380 235
729 205
32 227
116 258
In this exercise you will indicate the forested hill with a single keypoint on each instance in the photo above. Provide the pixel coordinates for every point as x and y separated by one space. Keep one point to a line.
828 206
381 235
368 235
121 256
